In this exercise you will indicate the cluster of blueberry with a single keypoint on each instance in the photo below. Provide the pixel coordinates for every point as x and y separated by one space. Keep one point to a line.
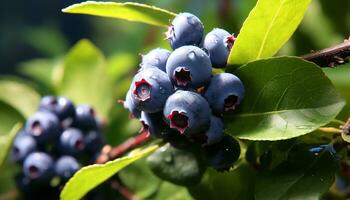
176 96
55 142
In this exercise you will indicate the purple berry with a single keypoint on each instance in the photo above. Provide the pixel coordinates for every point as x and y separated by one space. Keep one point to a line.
189 67
93 142
185 29
22 147
60 106
38 166
66 166
218 43
85 118
150 89
215 133
71 141
130 106
187 112
224 92
155 58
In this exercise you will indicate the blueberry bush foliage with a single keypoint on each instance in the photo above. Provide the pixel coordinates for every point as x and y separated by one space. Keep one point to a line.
288 124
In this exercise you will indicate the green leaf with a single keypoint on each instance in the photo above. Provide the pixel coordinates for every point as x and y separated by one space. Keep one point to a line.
169 191
307 176
269 25
235 184
6 142
119 65
8 118
85 79
11 92
91 176
285 97
128 11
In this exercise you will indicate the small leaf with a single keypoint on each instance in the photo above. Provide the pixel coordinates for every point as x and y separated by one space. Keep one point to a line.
307 176
91 176
128 11
269 25
285 97
6 142
11 92
85 79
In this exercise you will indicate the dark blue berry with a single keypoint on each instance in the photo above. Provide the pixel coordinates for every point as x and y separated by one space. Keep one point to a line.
38 166
224 92
222 155
43 127
22 147
66 166
93 142
71 141
85 118
155 58
189 67
215 133
130 106
187 112
154 123
185 29
218 43
60 106
150 89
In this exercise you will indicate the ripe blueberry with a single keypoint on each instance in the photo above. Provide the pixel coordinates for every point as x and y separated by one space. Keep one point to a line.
85 118
154 123
218 43
215 133
60 106
43 126
38 166
224 92
71 141
93 142
66 166
155 58
188 112
185 29
189 66
130 106
22 147
222 155
150 89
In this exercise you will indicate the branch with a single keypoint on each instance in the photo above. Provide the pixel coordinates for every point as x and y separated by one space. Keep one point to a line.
332 56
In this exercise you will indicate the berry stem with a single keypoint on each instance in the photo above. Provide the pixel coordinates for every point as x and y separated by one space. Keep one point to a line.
125 192
332 56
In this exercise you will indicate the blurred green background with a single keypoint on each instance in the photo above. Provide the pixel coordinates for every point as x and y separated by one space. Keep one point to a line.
36 57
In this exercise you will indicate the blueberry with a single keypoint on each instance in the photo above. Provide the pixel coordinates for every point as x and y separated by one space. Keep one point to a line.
222 155
60 106
218 43
187 112
38 166
66 166
130 106
155 58
22 147
154 123
43 127
93 142
71 141
216 131
185 29
224 92
85 118
189 67
150 89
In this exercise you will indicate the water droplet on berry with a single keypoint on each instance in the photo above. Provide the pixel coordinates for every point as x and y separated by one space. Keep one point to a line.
192 55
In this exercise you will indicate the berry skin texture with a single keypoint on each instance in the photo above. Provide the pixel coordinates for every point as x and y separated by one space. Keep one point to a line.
178 166
130 106
185 29
85 118
93 142
71 141
189 67
222 155
218 43
215 132
224 92
187 112
150 89
155 58
38 166
22 147
66 166
43 127
62 107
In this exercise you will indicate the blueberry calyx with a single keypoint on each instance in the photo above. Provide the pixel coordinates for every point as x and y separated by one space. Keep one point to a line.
182 75
178 120
230 40
142 90
36 128
230 103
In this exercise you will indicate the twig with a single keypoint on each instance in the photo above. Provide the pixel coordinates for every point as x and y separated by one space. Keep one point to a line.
332 56
128 195
330 130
